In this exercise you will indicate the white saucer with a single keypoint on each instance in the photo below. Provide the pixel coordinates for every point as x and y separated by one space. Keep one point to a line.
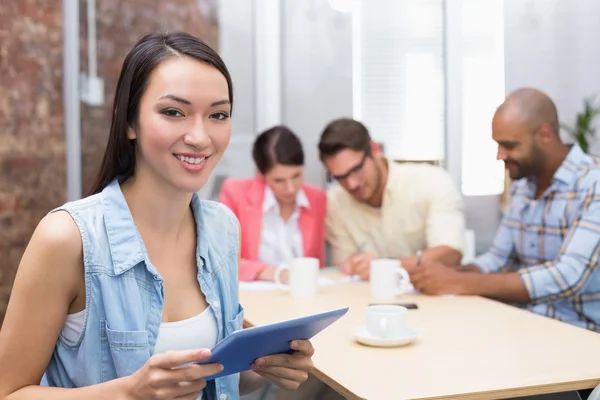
362 335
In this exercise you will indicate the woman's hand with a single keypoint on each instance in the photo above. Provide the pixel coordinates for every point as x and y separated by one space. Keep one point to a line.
268 274
288 371
164 376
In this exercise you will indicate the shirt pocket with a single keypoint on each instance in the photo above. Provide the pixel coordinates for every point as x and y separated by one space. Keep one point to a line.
123 352
236 323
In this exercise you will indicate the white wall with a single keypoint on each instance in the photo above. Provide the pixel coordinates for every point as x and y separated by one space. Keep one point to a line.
554 46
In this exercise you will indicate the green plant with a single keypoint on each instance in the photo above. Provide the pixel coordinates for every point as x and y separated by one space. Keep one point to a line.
584 129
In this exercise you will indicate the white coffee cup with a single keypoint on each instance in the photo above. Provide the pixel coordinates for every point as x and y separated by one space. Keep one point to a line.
387 278
303 276
385 320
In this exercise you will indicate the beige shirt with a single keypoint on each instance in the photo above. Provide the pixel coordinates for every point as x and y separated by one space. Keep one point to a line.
421 209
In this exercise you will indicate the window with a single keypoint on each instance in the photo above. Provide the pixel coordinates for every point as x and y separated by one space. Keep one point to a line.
482 92
398 75
398 82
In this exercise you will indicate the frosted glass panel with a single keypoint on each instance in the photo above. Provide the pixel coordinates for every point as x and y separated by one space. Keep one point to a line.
482 92
398 72
419 137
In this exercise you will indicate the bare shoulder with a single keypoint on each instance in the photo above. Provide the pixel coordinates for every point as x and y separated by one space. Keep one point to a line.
56 241
52 263
58 229
48 280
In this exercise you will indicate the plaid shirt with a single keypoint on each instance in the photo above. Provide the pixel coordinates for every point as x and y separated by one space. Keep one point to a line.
554 242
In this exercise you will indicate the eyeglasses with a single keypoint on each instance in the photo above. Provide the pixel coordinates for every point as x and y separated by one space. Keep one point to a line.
353 170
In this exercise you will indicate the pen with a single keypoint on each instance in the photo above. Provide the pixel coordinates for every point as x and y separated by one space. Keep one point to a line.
361 248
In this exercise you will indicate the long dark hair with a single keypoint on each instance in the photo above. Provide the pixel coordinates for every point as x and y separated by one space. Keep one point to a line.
146 55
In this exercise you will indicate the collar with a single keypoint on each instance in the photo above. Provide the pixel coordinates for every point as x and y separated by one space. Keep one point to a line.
270 202
565 175
393 174
566 172
127 248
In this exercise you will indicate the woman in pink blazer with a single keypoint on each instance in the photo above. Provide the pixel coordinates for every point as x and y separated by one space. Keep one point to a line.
281 217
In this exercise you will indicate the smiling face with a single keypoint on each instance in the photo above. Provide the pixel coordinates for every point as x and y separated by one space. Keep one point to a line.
184 124
518 146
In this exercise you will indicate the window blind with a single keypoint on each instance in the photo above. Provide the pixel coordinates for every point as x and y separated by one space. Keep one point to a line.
398 72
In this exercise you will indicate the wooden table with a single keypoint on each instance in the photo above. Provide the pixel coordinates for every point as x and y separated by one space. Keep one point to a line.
468 347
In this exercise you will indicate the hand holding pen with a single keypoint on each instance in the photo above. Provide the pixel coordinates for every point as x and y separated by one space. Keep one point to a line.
358 263
346 265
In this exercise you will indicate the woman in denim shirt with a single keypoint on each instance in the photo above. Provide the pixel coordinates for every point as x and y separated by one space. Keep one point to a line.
119 292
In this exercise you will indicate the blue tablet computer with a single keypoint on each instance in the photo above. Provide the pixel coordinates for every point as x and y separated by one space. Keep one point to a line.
239 350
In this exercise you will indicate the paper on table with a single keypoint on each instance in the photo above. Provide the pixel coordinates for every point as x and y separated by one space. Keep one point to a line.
323 281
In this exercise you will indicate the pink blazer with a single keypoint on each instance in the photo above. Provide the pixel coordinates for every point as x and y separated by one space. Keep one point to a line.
245 198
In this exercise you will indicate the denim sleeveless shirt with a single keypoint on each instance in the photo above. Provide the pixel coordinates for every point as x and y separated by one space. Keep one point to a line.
125 295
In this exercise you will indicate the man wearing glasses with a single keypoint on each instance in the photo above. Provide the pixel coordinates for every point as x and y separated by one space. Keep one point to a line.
383 209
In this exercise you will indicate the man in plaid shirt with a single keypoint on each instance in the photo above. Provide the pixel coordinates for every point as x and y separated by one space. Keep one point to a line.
546 251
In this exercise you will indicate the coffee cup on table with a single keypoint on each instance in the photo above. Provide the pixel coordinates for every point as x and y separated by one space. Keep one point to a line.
387 278
385 320
303 276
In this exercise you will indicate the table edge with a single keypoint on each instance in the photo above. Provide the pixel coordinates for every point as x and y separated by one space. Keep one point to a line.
533 390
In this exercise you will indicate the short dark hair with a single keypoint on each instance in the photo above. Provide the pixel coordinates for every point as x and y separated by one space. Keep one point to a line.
342 134
147 54
277 145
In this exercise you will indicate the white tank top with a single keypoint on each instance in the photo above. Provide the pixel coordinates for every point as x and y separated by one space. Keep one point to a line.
199 332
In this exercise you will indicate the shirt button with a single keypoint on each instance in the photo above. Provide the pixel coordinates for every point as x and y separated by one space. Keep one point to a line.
216 304
223 396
